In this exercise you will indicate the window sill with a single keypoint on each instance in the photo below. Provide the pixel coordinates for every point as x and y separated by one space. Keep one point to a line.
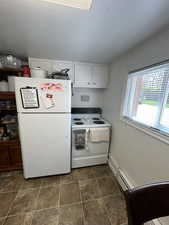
153 133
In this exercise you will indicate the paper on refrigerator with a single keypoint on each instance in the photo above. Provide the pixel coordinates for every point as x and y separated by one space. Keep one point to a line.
48 93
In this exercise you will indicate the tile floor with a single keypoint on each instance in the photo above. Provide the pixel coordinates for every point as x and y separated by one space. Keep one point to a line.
87 196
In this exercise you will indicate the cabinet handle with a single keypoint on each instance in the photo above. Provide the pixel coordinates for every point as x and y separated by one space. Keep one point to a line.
94 83
88 82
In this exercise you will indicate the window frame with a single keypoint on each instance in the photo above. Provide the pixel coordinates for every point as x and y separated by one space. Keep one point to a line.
158 128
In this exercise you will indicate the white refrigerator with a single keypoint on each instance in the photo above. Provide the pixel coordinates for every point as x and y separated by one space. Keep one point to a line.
44 116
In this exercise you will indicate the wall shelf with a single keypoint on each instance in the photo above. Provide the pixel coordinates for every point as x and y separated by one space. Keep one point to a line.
7 95
9 142
10 150
13 70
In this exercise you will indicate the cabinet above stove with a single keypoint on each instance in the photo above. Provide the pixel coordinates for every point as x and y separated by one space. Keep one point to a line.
82 75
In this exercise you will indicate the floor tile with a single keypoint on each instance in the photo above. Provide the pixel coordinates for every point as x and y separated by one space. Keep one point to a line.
31 183
6 200
48 198
67 178
94 215
69 193
50 181
22 219
16 172
4 174
108 186
89 189
101 171
11 173
46 217
83 173
71 215
25 201
10 183
115 209
2 220
56 200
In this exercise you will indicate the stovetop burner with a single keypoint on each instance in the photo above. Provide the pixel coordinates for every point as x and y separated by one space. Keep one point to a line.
95 118
98 122
76 119
79 123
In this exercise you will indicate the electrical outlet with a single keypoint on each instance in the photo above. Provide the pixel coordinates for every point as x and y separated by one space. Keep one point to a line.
85 98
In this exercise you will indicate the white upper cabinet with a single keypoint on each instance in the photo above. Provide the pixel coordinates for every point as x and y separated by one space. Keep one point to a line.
44 64
100 76
83 75
58 65
91 75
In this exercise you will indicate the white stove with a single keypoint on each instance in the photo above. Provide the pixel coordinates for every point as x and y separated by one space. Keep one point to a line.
86 152
88 120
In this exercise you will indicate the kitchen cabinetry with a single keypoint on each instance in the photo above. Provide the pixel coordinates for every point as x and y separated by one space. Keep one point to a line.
91 75
15 155
4 157
100 76
42 63
82 75
10 155
10 150
60 65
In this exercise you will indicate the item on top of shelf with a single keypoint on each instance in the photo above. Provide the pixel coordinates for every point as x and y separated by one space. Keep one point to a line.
1 132
25 71
2 104
8 104
37 72
3 85
5 136
62 74
10 61
11 83
7 119
12 130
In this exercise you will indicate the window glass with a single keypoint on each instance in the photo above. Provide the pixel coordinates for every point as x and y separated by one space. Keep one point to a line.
147 97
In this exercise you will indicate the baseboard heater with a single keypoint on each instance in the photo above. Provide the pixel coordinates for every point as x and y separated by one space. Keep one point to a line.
123 180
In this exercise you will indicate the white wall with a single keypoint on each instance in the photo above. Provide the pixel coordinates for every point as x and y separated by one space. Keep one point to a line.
95 97
144 158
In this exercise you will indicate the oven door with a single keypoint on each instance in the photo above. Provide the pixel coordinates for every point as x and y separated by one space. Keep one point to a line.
83 147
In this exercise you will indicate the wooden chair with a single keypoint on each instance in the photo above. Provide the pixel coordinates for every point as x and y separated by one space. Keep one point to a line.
147 202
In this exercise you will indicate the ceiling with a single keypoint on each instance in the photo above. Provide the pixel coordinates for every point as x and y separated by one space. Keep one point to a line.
39 29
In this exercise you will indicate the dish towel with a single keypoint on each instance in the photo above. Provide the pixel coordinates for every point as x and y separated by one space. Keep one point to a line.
80 139
100 134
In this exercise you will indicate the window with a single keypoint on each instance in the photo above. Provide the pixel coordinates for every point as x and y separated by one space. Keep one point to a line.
147 97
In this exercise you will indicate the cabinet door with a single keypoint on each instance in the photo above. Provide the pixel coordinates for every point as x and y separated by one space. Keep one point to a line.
83 75
42 63
59 65
100 76
4 157
15 156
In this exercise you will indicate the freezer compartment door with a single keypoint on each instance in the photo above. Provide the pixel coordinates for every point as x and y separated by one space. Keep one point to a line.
45 144
42 95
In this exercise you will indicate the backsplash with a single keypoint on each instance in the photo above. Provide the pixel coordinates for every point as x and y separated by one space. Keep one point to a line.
87 97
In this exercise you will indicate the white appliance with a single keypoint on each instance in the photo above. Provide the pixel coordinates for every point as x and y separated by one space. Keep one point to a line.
44 116
92 153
